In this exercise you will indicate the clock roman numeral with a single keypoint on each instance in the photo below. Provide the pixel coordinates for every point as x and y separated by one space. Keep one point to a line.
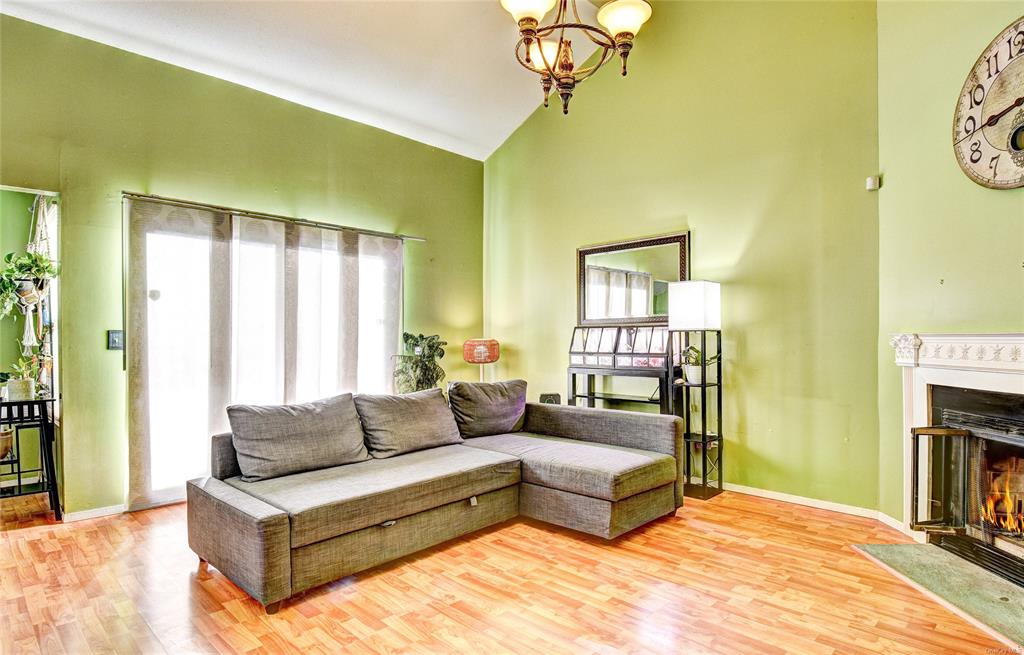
993 64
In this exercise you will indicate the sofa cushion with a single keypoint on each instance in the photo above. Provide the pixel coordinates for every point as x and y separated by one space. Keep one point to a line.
595 470
329 502
485 408
275 440
405 423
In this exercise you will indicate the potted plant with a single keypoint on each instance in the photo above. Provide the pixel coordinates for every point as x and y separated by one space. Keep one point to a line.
693 364
22 385
31 273
418 368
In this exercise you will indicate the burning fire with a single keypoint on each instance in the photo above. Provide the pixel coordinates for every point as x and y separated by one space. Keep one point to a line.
1001 507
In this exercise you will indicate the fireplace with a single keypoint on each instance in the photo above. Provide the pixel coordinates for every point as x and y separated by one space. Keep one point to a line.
967 477
963 445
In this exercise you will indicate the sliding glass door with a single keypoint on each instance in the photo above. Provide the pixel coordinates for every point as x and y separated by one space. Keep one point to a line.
227 309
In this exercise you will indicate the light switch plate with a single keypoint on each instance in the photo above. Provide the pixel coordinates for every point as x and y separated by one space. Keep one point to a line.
115 339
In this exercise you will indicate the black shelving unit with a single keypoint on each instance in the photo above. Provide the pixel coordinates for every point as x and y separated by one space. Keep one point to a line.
703 445
25 415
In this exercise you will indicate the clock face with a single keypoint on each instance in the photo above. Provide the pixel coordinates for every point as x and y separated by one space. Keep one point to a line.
988 128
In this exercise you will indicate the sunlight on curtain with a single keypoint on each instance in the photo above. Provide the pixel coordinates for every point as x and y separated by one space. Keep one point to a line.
227 309
178 347
257 318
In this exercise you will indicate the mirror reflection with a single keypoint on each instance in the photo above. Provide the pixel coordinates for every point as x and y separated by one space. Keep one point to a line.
630 283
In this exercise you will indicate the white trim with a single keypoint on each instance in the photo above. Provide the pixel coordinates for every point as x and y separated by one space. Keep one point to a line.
71 517
35 192
828 505
14 483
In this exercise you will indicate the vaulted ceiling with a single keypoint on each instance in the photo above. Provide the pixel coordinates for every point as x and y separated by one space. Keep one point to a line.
438 71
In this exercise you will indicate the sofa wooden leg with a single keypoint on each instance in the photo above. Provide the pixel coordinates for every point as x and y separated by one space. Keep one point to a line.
273 607
203 564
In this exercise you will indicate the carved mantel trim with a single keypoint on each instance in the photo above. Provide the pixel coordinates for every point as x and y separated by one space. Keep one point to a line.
1003 353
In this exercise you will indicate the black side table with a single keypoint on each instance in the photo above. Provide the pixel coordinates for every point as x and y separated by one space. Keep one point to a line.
22 415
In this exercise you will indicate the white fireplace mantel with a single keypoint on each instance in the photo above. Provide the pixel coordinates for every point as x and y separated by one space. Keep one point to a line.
987 362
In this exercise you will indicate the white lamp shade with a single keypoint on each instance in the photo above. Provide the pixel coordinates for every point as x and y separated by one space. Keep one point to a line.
534 9
694 305
550 54
624 16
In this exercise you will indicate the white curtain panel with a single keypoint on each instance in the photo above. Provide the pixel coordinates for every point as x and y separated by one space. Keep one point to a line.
615 293
226 309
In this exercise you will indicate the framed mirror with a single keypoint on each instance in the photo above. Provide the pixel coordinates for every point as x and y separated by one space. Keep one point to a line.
627 283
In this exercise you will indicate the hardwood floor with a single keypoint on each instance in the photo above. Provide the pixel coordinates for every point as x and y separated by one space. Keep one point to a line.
736 574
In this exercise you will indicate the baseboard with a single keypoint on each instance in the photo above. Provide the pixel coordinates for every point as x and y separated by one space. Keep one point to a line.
14 483
71 517
852 510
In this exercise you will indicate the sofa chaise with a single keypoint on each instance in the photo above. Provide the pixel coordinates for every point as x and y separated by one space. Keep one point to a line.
489 457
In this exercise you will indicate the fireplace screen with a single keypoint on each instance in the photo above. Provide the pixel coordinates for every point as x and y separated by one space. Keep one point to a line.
968 479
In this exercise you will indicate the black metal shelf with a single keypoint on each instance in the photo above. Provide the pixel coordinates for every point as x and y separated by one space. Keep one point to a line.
702 445
696 437
25 415
24 489
621 397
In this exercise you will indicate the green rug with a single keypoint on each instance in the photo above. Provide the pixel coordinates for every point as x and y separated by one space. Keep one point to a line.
985 596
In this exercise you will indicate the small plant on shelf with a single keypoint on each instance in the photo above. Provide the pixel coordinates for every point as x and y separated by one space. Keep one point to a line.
418 369
22 385
693 364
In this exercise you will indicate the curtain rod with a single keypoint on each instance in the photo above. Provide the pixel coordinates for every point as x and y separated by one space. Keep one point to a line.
270 217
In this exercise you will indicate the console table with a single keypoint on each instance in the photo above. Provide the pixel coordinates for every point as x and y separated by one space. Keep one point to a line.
664 376
24 415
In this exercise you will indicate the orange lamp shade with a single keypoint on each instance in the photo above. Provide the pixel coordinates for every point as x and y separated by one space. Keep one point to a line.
480 351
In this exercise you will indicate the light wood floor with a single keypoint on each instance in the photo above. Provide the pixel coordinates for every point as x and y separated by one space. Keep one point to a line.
735 574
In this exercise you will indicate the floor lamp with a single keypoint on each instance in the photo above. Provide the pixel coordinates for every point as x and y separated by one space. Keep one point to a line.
481 351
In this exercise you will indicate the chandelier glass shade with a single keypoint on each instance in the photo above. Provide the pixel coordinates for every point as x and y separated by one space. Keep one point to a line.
545 50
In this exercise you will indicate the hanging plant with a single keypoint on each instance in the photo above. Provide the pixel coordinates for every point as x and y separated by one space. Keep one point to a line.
418 368
32 265
8 294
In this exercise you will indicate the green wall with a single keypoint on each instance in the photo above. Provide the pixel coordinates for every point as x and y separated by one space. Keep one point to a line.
951 253
754 126
90 121
15 224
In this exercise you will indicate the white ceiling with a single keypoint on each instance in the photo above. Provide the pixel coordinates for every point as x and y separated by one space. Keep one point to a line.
438 71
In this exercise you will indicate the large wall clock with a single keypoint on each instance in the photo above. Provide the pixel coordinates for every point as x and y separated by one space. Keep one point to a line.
988 128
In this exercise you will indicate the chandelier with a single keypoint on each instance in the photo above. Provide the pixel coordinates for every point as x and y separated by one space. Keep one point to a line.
545 50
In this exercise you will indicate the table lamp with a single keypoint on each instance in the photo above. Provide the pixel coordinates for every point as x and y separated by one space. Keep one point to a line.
694 305
481 351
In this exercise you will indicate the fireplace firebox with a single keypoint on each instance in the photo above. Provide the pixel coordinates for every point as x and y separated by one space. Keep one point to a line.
968 478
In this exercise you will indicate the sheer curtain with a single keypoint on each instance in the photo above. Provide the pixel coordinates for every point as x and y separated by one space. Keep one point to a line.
229 309
615 293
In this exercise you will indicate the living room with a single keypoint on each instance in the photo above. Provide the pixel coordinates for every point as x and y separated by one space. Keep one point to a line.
248 204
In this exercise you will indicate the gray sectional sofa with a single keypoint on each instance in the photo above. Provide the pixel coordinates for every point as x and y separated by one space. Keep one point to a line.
276 534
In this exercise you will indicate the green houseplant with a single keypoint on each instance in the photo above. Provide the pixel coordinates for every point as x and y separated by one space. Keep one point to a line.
22 385
25 278
693 361
418 369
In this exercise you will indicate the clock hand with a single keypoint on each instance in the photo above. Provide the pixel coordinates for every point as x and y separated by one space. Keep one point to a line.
993 119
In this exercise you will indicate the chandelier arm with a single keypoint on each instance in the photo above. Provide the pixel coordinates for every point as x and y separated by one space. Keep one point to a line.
609 41
584 73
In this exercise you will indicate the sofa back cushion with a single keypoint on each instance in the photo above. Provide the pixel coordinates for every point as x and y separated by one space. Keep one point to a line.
275 440
482 409
402 424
